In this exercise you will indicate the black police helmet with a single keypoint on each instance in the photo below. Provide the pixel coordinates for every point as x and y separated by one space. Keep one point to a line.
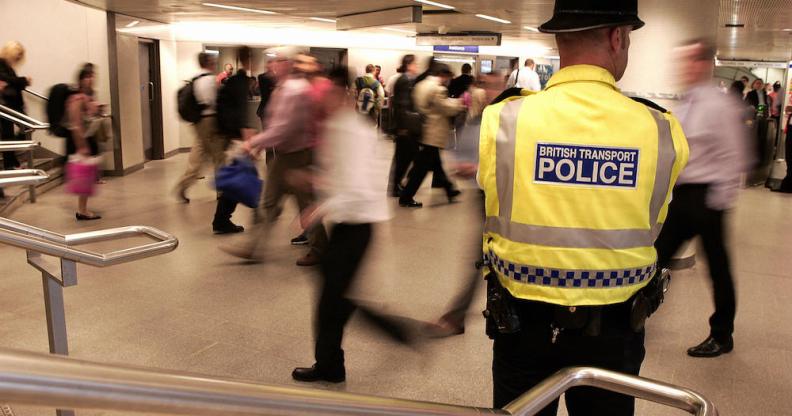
579 15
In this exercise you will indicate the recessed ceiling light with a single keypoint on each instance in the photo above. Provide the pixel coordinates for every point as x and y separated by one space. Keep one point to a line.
322 19
532 29
212 52
393 29
240 9
494 19
133 23
432 3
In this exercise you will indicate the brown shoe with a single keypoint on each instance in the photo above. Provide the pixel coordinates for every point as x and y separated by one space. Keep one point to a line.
310 259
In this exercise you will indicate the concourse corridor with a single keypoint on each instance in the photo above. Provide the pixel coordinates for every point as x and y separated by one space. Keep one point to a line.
200 310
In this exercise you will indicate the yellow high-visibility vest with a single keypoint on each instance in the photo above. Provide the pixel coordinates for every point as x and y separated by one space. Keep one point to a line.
577 179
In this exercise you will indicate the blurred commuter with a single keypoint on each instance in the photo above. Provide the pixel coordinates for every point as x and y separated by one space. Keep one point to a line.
80 109
233 123
288 141
736 90
757 98
708 187
431 100
209 146
12 56
525 78
777 100
378 75
408 124
786 183
568 241
430 65
266 84
370 93
390 84
461 83
228 71
353 202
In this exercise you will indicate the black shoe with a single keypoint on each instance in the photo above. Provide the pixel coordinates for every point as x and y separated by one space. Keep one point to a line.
410 204
300 240
711 348
452 194
88 217
229 228
312 374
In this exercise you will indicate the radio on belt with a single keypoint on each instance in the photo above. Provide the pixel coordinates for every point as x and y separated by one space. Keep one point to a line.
567 164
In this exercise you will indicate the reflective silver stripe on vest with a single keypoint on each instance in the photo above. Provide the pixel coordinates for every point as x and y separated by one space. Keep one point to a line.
666 157
543 276
505 152
574 237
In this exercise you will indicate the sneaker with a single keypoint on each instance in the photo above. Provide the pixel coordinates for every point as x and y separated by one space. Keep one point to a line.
300 240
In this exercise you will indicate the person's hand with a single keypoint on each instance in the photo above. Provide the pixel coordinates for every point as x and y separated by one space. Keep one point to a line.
466 170
309 217
29 80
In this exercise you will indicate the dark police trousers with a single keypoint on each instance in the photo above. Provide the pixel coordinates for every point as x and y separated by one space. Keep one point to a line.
524 359
340 262
689 216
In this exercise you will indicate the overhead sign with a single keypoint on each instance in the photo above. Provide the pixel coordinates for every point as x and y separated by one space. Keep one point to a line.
460 49
751 64
458 39
396 16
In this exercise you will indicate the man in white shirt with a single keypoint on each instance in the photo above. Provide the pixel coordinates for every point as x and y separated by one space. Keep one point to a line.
525 78
207 147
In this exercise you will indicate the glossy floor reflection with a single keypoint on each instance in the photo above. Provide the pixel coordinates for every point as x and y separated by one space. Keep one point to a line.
201 311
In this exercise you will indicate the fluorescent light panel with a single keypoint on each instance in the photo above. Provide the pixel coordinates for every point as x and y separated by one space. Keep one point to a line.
240 9
133 23
432 3
393 29
494 19
322 19
532 29
212 52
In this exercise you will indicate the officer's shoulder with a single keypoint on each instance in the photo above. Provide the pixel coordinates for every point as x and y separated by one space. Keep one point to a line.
651 104
511 94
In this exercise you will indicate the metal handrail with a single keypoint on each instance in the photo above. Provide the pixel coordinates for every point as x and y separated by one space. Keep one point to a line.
43 380
22 176
655 391
18 145
36 94
47 242
22 119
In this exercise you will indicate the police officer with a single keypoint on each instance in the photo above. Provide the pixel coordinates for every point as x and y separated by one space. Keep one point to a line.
577 181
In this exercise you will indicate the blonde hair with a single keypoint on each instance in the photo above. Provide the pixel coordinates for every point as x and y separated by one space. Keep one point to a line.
13 52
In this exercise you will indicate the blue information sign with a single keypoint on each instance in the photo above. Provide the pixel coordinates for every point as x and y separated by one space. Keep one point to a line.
465 49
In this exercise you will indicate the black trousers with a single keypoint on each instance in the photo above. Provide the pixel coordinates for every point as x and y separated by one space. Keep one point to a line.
346 249
428 159
225 209
524 359
10 160
688 217
403 157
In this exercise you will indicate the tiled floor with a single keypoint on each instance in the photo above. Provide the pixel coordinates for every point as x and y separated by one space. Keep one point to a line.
199 310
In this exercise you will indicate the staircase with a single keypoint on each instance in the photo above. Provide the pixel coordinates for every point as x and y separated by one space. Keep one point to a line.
15 196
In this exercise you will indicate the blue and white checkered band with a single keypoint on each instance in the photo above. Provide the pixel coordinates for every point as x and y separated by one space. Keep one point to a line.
543 276
590 166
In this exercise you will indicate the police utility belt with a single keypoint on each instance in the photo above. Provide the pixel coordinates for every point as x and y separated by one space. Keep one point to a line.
503 318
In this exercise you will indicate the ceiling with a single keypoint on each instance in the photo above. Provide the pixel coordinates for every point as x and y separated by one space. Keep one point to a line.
766 35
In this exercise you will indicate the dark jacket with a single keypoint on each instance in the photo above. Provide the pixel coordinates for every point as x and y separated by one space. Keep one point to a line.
402 101
753 98
459 85
232 105
12 94
266 86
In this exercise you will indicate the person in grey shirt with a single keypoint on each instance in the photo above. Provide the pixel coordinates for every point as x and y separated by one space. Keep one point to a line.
708 187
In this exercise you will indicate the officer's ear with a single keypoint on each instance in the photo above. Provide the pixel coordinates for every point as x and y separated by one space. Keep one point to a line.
618 38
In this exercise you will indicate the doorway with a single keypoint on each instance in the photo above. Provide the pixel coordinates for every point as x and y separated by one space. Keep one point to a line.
151 99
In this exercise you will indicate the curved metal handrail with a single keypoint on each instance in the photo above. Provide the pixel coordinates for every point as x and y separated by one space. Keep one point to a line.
655 391
22 176
36 94
19 145
53 244
22 119
43 380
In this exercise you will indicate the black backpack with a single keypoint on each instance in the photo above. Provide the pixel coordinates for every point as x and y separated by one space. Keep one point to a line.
189 108
56 109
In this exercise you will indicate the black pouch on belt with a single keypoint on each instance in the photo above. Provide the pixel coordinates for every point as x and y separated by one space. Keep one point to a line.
648 299
501 312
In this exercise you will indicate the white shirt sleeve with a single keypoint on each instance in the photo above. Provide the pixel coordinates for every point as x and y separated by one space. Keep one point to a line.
532 81
512 82
205 90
